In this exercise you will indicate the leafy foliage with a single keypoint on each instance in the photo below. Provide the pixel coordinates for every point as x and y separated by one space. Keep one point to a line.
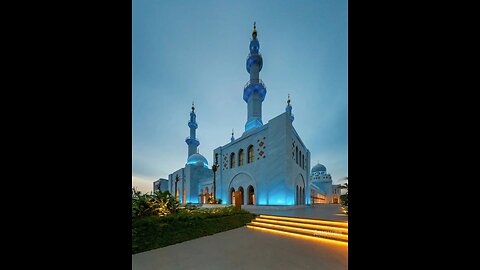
344 198
158 231
159 204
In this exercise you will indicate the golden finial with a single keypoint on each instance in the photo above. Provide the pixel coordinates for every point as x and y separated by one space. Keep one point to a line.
193 107
232 132
254 33
288 101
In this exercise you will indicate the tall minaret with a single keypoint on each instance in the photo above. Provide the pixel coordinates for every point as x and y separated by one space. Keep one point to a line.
192 141
254 91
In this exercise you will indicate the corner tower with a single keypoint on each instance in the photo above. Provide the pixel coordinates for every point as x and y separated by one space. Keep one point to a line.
254 91
192 140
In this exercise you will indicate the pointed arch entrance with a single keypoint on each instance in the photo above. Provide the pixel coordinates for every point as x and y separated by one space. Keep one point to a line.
299 190
242 195
251 195
241 183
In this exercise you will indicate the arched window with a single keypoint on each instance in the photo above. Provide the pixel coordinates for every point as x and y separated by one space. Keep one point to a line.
251 195
303 162
250 154
296 154
240 190
240 157
232 196
232 160
300 158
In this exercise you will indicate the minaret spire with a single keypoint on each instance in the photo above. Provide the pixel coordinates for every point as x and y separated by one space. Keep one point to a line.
232 138
254 91
192 140
288 109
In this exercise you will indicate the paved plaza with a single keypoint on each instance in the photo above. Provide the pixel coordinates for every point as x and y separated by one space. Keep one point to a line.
245 248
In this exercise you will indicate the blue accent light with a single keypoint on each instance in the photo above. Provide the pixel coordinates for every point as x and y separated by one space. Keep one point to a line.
197 160
254 87
254 46
253 124
262 201
252 58
191 141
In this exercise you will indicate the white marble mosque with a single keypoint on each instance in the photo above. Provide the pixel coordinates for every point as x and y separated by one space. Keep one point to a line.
268 164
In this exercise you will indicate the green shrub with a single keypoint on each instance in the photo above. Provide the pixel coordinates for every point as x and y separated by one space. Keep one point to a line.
158 203
154 231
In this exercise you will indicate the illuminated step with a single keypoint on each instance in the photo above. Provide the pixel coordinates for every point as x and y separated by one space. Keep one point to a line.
339 230
299 234
317 233
331 223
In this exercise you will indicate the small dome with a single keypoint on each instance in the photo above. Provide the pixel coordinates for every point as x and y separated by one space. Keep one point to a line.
198 160
319 168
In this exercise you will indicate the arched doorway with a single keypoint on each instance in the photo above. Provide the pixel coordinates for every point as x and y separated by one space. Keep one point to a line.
303 195
232 196
251 195
240 189
296 197
299 190
240 184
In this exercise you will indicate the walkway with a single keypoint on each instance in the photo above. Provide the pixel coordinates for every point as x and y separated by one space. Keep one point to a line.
319 211
245 248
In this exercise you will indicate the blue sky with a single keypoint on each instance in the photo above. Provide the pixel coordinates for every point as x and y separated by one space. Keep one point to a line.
184 51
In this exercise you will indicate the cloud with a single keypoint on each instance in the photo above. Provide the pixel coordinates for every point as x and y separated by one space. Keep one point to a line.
142 183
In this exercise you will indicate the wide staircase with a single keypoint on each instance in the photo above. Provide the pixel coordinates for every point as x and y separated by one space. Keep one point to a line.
317 229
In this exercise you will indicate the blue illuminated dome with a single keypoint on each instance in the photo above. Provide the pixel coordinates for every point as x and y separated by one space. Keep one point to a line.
198 160
319 168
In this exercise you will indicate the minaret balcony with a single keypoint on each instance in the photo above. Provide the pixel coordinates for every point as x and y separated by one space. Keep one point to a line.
193 141
254 58
254 85
192 125
250 54
252 81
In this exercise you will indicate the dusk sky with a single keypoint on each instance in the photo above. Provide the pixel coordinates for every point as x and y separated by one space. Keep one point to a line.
184 51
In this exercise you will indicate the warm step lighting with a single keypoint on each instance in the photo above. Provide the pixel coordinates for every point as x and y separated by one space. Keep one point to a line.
343 224
320 233
325 230
304 225
298 235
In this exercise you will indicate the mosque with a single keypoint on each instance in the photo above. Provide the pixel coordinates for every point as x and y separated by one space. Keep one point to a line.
267 165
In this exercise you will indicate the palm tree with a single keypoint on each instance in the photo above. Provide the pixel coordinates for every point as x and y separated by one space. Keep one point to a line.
345 200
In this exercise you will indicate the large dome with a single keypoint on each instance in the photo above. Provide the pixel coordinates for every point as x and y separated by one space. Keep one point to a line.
198 160
319 168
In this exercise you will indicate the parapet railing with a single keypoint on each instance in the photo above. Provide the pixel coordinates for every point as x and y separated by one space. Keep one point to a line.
254 81
250 54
